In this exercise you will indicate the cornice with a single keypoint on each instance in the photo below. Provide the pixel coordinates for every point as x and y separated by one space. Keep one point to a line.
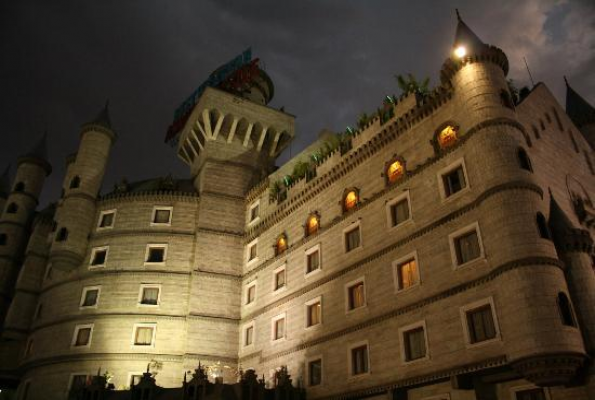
156 231
220 232
148 196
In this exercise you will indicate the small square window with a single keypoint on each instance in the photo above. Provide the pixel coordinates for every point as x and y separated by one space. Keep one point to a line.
279 327
99 257
407 273
162 216
90 296
251 293
399 212
149 295
313 313
155 254
480 323
454 180
414 343
467 247
144 335
313 259
280 276
356 295
254 211
352 239
252 251
359 360
530 394
315 372
82 336
106 219
249 335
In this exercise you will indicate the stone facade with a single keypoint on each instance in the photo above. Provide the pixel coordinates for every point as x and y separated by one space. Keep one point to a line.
482 289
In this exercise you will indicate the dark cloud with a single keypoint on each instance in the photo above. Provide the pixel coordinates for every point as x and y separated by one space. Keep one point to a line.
330 61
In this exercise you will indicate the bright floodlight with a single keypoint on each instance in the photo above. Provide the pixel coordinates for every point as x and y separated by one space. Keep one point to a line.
460 51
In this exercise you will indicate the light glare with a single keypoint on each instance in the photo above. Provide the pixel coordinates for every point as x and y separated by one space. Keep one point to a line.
460 51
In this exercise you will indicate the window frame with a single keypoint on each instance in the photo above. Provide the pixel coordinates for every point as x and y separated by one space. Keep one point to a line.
78 328
515 389
274 320
309 361
84 292
453 249
447 170
248 286
351 227
131 374
255 204
162 208
393 202
150 246
144 325
144 286
307 305
249 325
309 251
251 261
350 349
347 287
94 251
408 328
102 214
463 310
276 271
397 277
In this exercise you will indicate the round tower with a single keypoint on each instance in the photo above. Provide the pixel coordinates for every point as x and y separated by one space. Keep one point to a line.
76 211
19 208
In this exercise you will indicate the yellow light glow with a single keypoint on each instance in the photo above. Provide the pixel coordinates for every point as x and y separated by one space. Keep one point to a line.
447 136
395 170
460 51
350 200
312 224
281 245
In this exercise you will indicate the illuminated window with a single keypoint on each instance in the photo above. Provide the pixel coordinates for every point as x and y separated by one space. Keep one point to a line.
90 296
359 360
315 372
356 295
350 200
82 335
144 334
414 342
313 312
99 256
312 224
106 219
155 253
407 273
394 171
447 136
251 293
161 216
281 245
279 327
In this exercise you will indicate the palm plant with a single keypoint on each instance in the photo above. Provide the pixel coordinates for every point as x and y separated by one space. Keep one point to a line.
409 84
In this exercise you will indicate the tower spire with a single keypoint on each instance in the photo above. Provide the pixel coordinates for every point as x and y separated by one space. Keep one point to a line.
102 119
464 36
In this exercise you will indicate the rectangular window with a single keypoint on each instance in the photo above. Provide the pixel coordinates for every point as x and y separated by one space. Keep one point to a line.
254 211
155 254
162 216
407 274
530 394
467 247
279 328
99 256
77 382
454 181
359 360
480 323
149 295
315 372
313 259
135 379
252 251
280 277
352 239
250 294
249 335
106 219
144 335
90 296
414 343
82 336
313 313
356 295
399 212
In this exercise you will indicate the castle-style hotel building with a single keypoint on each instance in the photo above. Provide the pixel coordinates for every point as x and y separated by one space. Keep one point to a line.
443 250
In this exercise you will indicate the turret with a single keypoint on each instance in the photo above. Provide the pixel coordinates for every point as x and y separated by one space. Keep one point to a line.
19 208
581 113
76 212
477 72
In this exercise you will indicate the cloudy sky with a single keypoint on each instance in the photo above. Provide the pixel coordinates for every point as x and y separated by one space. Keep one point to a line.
330 60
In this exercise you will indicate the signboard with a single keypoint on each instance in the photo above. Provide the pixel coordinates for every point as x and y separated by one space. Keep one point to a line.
217 78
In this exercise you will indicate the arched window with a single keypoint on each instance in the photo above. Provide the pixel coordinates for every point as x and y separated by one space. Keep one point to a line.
312 224
62 235
3 239
565 310
544 231
524 160
281 244
447 135
19 187
506 100
535 132
12 208
350 199
75 182
394 170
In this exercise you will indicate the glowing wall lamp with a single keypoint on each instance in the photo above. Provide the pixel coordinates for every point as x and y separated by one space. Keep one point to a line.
460 51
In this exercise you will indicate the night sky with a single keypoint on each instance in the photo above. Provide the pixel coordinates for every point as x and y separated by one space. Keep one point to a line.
330 60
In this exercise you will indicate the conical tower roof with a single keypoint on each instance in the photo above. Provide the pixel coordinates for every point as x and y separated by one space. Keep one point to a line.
102 118
578 109
5 183
464 36
38 154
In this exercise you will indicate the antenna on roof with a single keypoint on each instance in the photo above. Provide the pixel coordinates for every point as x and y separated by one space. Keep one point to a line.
529 71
